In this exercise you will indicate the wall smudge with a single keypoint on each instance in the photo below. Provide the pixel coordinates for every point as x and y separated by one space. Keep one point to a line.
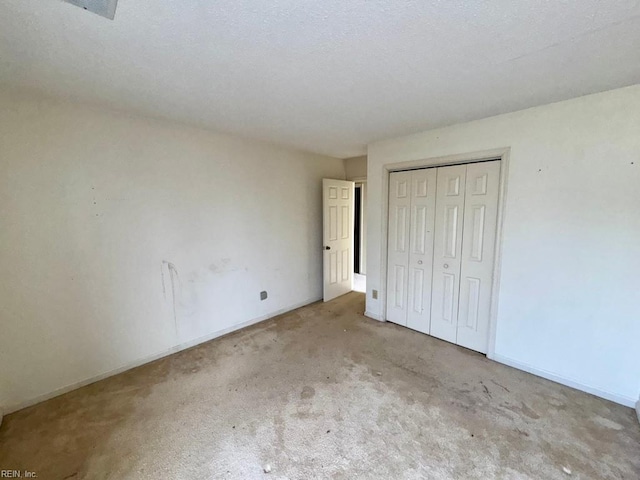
164 290
175 279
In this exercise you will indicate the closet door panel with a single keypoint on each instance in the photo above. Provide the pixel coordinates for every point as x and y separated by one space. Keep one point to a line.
450 197
478 246
398 247
423 202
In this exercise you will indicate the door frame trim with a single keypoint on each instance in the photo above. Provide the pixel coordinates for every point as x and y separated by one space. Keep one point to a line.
501 154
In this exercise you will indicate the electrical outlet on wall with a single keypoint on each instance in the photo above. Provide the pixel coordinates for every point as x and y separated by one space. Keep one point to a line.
263 295
374 294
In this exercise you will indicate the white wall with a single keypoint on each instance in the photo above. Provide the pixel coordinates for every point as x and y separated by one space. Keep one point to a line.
94 205
356 167
569 304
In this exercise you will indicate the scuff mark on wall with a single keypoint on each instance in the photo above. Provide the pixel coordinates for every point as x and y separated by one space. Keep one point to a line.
175 280
221 267
191 291
164 290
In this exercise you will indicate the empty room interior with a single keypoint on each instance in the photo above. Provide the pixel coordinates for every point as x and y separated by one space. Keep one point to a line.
323 239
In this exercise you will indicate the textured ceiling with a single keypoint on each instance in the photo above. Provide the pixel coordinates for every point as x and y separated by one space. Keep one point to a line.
327 76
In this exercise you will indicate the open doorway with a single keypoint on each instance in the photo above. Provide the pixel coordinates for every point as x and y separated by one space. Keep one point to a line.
356 170
357 233
359 239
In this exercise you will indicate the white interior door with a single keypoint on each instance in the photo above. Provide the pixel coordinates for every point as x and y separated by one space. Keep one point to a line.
398 247
447 252
478 245
338 208
423 203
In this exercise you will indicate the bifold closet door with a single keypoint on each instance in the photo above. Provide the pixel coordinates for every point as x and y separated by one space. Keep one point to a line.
447 252
412 197
422 223
398 247
478 250
441 242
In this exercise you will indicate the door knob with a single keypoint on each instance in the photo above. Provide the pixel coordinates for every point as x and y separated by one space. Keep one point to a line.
419 262
327 248
446 265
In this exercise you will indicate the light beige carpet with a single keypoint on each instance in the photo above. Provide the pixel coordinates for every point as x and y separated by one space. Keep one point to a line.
324 392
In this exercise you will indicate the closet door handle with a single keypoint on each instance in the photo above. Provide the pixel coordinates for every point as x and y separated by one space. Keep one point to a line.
446 265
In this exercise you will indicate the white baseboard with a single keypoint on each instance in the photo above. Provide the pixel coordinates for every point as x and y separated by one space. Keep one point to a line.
637 410
621 399
141 361
375 316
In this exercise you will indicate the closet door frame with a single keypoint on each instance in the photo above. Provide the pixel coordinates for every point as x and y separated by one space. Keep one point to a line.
501 154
